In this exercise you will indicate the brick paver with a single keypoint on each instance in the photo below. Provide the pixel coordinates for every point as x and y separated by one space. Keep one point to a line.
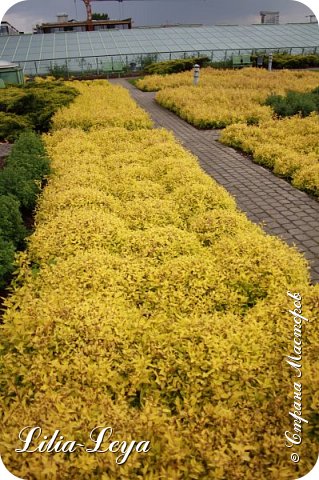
281 209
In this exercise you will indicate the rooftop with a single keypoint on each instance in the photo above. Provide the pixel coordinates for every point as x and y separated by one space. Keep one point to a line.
4 64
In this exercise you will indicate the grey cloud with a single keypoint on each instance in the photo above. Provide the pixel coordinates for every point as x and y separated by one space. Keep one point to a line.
150 12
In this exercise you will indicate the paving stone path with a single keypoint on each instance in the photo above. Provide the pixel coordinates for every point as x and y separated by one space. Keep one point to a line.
266 199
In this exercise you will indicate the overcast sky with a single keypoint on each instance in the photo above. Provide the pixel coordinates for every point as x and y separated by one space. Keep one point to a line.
24 15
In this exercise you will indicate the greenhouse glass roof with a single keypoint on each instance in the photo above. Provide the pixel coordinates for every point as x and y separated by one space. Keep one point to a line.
139 41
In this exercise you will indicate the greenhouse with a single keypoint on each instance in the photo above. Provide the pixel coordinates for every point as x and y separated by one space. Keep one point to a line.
107 50
10 73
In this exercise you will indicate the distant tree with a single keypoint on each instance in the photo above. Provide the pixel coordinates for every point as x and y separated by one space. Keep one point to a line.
100 16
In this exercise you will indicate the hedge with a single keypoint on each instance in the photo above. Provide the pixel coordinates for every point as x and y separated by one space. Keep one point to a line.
12 125
287 61
148 303
31 106
175 66
230 97
289 147
245 104
11 224
12 235
294 103
7 255
245 79
111 109
26 167
21 179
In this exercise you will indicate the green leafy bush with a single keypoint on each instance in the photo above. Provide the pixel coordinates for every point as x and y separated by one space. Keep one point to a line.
175 66
148 60
11 224
16 181
29 143
7 251
29 152
31 106
26 167
100 16
35 107
11 125
285 60
294 103
222 64
20 183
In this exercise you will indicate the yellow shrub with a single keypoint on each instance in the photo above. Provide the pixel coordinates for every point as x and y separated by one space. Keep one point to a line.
224 97
148 303
210 107
233 99
307 178
288 146
101 104
259 80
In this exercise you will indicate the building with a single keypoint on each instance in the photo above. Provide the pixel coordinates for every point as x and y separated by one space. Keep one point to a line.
11 73
312 18
271 18
64 25
74 52
7 29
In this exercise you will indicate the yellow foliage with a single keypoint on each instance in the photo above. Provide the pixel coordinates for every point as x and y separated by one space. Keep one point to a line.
148 303
224 97
48 78
288 146
227 97
101 104
210 107
246 78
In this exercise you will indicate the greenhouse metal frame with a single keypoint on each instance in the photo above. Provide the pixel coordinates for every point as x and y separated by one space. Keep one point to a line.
76 52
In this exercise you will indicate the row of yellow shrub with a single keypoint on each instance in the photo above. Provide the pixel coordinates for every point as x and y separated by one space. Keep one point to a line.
210 107
228 97
247 78
290 147
101 105
148 303
224 98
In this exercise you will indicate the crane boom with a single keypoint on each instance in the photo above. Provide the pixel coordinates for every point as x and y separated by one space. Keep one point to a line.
88 7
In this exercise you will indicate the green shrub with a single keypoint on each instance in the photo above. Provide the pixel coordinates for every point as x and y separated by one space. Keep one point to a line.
228 63
26 167
297 61
20 184
28 143
7 251
294 103
31 106
11 224
285 60
29 152
12 125
15 181
148 60
35 107
26 104
59 71
175 66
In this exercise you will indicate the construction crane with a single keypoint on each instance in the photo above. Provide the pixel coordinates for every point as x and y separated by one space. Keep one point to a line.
88 7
